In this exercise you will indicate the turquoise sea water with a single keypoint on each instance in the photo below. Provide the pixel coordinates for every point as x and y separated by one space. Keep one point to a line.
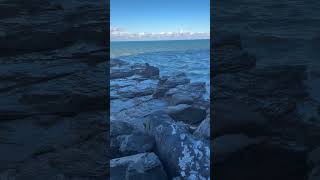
189 56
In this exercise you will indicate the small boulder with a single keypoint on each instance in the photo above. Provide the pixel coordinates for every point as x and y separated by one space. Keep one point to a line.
118 129
181 99
186 113
135 143
121 73
166 83
117 62
203 131
145 70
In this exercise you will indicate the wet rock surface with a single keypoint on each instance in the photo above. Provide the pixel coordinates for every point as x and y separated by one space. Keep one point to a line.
53 120
153 114
266 121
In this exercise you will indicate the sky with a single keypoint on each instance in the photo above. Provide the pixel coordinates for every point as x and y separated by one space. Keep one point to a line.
159 19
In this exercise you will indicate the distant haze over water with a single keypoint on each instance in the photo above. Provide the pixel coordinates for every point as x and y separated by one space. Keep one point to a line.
124 48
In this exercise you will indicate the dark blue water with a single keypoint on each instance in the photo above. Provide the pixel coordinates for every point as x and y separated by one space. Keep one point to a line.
189 56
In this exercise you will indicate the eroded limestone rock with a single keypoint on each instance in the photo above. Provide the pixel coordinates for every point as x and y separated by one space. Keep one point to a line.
182 154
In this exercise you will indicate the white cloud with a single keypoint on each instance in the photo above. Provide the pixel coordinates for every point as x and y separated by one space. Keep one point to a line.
119 34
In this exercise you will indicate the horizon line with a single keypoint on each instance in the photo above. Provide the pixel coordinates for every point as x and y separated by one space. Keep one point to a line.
159 40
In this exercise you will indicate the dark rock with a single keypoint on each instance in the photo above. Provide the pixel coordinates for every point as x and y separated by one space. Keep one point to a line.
46 120
135 109
203 131
145 70
53 84
186 113
120 69
71 94
236 117
43 150
166 83
228 145
117 62
118 129
137 89
140 166
272 93
272 159
135 143
82 162
194 90
121 73
181 99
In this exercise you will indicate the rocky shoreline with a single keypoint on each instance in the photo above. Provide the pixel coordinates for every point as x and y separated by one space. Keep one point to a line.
159 126
54 107
266 123
53 120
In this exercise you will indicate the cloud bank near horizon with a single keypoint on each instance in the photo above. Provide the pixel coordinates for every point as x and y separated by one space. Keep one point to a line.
119 34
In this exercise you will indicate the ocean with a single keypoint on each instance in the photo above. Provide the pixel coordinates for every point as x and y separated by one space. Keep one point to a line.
189 56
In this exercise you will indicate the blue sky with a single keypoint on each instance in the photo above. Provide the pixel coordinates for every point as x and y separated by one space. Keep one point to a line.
167 19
